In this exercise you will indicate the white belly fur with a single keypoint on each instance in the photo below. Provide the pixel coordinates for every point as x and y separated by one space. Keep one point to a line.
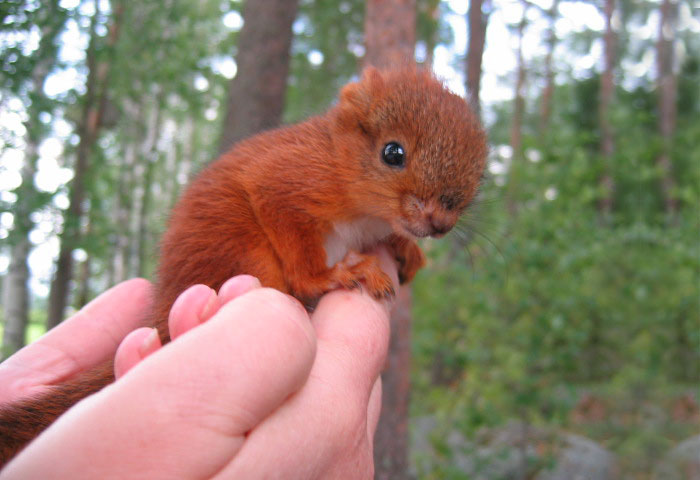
356 235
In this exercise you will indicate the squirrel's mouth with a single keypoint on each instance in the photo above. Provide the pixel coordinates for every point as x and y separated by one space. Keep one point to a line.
420 219
421 231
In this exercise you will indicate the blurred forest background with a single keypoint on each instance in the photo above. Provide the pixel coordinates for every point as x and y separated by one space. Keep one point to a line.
558 334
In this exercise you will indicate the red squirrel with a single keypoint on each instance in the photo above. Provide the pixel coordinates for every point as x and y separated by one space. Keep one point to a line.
399 157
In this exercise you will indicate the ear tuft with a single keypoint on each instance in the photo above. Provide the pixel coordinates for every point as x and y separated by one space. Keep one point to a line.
361 95
373 80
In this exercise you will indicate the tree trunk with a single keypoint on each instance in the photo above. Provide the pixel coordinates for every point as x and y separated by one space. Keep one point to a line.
83 294
187 162
257 92
477 21
517 122
142 234
390 38
548 91
148 157
390 32
93 109
118 268
607 88
119 265
519 94
16 299
172 171
391 439
667 92
16 290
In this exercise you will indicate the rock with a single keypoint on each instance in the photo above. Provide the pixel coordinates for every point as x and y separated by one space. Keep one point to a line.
581 459
682 462
514 452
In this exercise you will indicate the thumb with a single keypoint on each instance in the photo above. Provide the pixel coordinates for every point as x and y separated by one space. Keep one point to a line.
208 387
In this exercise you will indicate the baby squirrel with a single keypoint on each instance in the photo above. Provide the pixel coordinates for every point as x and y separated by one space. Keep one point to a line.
399 157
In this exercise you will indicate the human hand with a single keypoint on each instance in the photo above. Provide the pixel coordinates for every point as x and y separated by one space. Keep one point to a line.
257 391
87 339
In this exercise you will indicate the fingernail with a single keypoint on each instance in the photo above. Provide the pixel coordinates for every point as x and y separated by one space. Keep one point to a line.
237 286
150 344
210 307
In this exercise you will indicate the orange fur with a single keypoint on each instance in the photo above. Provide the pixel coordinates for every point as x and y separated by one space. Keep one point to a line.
278 203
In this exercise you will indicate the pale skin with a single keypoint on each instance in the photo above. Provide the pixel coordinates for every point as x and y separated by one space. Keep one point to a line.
250 387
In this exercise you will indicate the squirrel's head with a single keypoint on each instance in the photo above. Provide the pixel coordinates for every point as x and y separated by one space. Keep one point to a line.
416 151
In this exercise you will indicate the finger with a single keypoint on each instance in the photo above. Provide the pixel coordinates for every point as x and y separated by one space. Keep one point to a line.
388 264
374 408
135 347
353 330
193 307
209 388
237 286
199 303
95 332
334 407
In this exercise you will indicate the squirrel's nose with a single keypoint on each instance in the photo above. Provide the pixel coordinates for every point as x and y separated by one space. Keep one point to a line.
439 224
440 228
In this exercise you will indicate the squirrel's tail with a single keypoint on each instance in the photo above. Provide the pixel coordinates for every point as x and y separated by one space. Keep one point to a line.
22 421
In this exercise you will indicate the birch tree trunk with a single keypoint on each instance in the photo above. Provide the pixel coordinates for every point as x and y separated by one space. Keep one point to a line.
607 89
148 157
519 93
118 268
517 121
88 130
16 298
390 39
16 295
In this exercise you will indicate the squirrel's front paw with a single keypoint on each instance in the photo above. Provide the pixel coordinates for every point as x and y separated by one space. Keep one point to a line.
409 256
359 270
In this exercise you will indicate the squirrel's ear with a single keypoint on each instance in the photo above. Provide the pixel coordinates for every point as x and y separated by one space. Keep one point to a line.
362 94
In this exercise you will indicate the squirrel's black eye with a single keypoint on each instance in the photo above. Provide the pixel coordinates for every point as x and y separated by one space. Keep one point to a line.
448 202
393 154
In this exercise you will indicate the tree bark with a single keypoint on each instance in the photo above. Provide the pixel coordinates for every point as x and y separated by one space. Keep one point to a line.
390 32
477 21
16 298
607 89
257 92
667 92
517 121
148 157
119 265
83 294
391 459
390 38
548 91
118 268
519 94
93 109
16 301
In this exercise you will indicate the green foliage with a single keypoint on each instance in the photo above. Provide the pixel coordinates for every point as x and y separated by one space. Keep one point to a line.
338 45
570 303
35 328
